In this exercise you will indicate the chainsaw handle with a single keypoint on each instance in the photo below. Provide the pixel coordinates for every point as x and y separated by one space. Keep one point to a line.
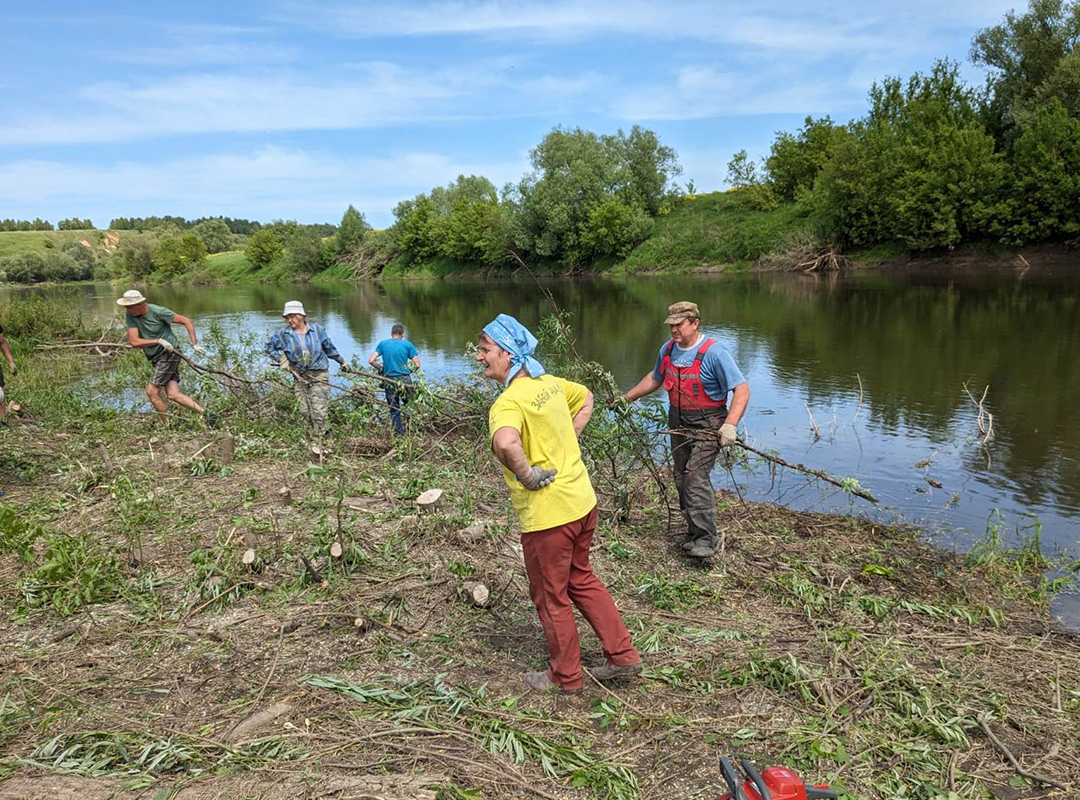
731 777
756 779
814 793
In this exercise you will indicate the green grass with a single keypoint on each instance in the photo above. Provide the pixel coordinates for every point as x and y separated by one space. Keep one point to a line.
17 243
713 230
231 265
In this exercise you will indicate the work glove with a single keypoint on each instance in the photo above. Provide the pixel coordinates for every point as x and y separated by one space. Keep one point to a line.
13 369
727 435
198 348
538 478
166 345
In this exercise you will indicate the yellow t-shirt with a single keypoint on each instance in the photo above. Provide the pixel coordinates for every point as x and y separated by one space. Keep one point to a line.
542 410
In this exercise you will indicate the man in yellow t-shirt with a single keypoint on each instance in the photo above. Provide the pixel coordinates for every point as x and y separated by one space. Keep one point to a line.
534 427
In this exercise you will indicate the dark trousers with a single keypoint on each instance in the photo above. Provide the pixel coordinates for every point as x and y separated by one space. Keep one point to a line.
560 577
397 395
692 461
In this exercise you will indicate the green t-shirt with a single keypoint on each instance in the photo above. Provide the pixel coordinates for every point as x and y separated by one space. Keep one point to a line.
156 323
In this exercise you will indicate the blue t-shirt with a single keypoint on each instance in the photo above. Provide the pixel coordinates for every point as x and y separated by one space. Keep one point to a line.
395 357
719 372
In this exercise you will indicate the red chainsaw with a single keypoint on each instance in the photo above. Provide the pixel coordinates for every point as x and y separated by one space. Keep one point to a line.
775 783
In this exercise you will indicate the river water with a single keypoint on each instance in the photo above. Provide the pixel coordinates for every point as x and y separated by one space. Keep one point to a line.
909 432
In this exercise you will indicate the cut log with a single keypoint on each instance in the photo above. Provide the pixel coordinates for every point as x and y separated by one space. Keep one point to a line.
430 500
285 495
336 550
476 592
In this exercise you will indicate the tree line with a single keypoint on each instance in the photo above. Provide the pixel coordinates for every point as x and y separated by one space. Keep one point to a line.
935 163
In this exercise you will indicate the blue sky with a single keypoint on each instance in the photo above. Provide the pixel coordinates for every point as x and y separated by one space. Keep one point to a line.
294 110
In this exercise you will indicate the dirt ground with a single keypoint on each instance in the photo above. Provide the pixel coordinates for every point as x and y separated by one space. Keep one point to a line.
850 651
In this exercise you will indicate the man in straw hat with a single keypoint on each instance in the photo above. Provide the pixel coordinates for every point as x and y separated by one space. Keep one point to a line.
306 349
149 328
534 426
698 374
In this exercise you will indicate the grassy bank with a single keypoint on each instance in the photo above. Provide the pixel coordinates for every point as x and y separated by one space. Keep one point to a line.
142 657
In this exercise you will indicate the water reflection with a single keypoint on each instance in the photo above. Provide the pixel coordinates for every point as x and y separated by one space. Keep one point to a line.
801 340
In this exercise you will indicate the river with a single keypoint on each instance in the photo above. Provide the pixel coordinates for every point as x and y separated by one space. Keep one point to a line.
879 359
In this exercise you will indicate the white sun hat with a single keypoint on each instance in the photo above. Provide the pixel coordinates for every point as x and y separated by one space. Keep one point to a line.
294 307
132 297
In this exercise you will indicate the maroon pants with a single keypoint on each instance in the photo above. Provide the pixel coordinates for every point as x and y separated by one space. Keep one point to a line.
557 561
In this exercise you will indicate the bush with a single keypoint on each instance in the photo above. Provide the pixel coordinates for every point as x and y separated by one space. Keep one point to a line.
263 247
613 229
175 258
34 316
25 268
134 257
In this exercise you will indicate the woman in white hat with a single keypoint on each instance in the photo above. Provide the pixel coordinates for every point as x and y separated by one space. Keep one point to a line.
306 350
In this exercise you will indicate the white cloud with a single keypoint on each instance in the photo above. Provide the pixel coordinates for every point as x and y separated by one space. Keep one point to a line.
836 27
206 103
701 92
271 182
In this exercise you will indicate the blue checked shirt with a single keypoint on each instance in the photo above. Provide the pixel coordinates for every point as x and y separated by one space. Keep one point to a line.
309 351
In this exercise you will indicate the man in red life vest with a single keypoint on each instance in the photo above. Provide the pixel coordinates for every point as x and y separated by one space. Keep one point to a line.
698 374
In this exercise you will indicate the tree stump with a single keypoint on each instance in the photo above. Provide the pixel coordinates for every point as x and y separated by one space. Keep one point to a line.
285 495
336 550
430 500
251 560
477 593
226 450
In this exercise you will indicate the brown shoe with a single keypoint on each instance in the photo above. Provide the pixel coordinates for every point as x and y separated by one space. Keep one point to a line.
540 682
609 671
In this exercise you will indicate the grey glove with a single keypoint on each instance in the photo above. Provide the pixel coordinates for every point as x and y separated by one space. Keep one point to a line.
166 345
198 348
538 478
728 435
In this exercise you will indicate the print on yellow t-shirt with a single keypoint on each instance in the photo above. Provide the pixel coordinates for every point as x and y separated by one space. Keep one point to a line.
542 411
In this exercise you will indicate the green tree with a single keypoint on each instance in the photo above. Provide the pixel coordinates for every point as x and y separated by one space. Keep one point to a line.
795 160
919 167
351 231
1042 198
263 247
1032 58
134 256
574 172
215 234
174 257
304 252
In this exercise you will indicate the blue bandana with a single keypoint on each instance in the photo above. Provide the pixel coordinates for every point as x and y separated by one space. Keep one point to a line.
514 338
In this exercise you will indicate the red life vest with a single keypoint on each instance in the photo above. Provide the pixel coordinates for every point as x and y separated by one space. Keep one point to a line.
683 384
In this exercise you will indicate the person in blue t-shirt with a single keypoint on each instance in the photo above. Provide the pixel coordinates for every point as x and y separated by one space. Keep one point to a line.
698 374
396 358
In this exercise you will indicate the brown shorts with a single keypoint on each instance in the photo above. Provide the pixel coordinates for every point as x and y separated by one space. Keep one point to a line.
166 368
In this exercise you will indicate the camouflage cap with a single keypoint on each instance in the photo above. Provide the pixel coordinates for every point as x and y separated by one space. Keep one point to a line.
684 309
